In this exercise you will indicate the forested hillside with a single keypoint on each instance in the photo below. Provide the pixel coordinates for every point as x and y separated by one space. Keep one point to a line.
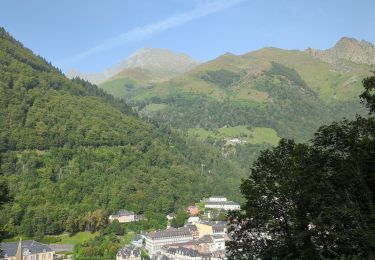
71 154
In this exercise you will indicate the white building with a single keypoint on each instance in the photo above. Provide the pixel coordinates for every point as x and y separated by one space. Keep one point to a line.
125 216
217 199
224 205
193 219
220 203
156 240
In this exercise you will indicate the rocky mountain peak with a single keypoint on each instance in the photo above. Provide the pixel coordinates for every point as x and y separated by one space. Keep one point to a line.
361 52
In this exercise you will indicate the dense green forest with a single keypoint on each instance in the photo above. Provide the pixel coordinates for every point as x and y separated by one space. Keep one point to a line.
71 154
314 200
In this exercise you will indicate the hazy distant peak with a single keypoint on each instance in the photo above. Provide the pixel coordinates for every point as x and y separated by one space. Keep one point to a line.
362 52
158 60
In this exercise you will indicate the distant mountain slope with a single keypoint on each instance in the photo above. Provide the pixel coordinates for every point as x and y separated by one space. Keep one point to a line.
71 154
290 91
158 64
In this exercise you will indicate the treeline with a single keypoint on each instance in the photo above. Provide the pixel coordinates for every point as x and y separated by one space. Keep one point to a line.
314 200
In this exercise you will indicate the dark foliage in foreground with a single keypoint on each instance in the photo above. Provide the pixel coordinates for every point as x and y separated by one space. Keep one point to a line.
312 201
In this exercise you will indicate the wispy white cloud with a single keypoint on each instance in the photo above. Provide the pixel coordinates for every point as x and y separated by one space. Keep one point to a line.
146 31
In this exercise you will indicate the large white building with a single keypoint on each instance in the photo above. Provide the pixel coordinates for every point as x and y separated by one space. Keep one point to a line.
156 240
222 203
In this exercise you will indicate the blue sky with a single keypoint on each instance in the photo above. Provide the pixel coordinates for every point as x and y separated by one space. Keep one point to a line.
93 35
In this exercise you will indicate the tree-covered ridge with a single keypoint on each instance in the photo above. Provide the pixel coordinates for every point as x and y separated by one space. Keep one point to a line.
71 154
38 102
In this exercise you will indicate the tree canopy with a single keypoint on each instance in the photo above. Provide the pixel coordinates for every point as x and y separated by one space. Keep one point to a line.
315 200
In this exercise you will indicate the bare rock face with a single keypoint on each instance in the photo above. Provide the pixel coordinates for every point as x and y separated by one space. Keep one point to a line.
361 52
158 61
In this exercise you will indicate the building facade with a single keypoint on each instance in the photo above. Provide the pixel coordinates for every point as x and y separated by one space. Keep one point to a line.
156 240
220 203
26 250
125 216
210 228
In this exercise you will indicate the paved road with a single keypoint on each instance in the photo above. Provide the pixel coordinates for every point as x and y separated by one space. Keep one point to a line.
62 247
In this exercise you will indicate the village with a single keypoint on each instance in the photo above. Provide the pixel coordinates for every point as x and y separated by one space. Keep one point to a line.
202 237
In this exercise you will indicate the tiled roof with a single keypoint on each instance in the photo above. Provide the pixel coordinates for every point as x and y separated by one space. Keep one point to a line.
10 248
124 212
137 238
206 239
192 228
218 236
213 223
127 251
221 203
171 232
219 228
184 251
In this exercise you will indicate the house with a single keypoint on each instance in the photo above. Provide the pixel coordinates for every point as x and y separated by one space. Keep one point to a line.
137 241
130 252
193 210
220 203
125 216
193 230
193 219
211 228
156 240
26 250
171 216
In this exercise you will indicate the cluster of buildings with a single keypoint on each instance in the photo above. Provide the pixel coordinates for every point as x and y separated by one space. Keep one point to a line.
125 216
26 250
197 240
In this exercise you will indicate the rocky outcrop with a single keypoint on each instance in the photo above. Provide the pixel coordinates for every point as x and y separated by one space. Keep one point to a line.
361 52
